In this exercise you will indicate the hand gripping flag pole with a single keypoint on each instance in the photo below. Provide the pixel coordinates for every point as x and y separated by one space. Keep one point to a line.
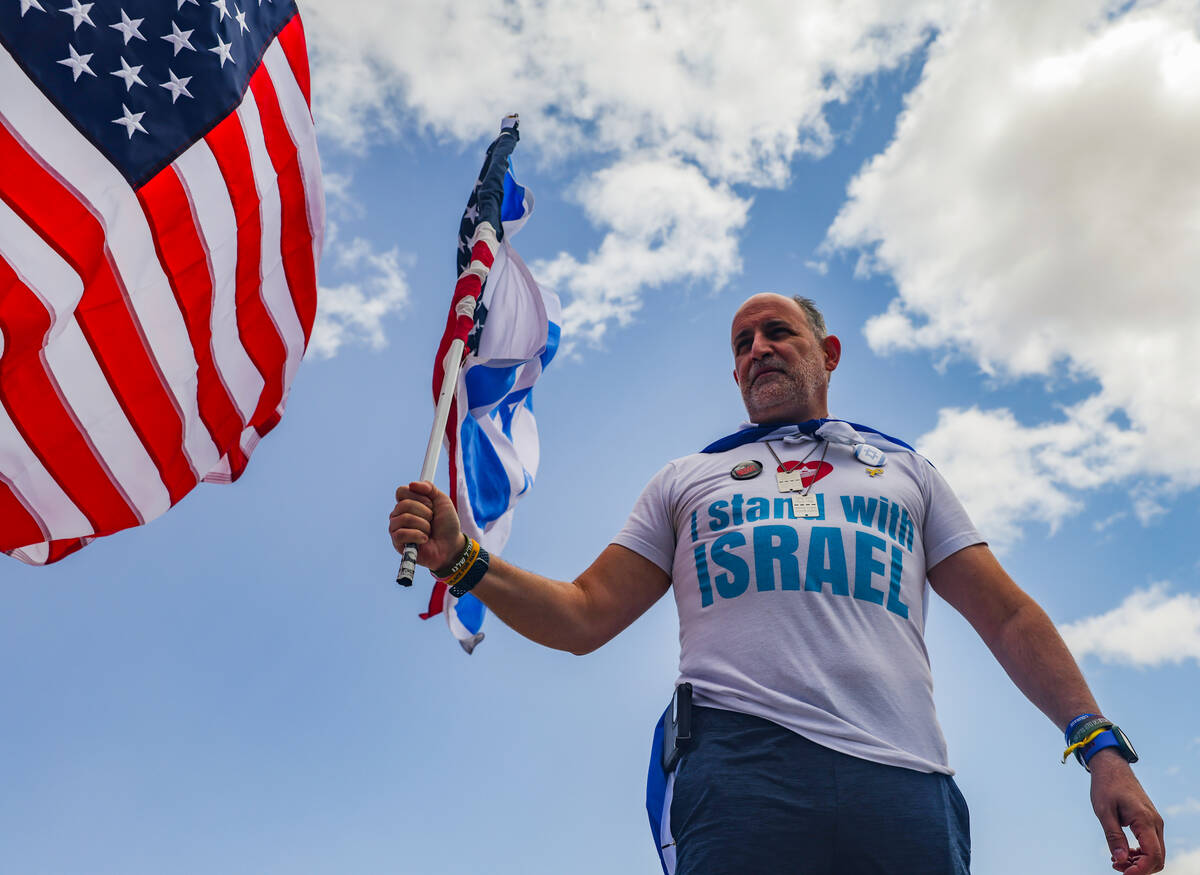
479 252
463 311
453 363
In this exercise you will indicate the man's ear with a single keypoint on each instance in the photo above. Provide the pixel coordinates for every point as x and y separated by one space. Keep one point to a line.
735 379
833 352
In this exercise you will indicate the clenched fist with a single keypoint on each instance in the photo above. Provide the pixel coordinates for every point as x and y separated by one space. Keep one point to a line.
425 516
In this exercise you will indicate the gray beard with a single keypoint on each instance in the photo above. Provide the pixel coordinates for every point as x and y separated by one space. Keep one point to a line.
803 385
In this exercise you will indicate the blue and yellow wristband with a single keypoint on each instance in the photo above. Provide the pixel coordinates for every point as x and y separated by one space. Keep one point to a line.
1088 734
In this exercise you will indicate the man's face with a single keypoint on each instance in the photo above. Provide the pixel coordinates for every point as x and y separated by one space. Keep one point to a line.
779 365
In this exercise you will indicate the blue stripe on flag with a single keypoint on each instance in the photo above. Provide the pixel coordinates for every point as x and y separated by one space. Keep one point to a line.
656 788
487 385
470 613
487 482
513 206
507 408
553 333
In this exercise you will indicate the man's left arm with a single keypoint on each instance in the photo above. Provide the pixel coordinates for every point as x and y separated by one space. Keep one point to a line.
1027 645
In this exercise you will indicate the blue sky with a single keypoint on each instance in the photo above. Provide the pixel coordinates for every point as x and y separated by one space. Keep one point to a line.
995 208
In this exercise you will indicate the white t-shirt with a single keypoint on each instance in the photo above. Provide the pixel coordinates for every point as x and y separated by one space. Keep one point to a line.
816 624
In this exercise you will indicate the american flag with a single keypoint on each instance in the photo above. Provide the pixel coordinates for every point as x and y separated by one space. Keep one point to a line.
161 219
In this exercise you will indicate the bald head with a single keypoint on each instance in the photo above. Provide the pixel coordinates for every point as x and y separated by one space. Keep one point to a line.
807 306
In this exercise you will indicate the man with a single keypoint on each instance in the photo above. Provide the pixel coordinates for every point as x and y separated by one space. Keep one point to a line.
802 600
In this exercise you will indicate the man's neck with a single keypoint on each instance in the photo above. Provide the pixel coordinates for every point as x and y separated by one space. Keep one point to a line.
788 418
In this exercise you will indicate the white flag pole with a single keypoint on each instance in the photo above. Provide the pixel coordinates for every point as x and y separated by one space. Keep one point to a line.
452 366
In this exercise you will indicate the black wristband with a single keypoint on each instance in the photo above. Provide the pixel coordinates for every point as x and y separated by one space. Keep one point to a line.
474 574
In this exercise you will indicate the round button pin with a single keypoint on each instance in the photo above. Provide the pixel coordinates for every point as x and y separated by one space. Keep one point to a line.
870 456
747 470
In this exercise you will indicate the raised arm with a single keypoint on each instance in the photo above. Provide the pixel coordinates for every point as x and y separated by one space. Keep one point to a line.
1027 645
577 616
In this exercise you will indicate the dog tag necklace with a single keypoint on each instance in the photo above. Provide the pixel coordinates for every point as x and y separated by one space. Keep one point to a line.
804 503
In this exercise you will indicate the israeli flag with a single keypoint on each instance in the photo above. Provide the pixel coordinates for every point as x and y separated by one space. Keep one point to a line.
494 446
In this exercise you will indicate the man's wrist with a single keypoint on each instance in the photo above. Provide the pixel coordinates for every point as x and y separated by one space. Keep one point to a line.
465 581
449 569
1090 736
1106 760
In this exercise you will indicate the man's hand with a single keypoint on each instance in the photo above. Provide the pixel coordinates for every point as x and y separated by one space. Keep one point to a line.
1119 800
577 616
425 516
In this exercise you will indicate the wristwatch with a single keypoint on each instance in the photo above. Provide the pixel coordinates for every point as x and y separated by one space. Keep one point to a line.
1111 737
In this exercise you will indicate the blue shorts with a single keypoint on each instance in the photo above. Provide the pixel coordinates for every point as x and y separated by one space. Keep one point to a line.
752 797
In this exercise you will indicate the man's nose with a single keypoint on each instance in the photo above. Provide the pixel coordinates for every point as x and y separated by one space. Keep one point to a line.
761 346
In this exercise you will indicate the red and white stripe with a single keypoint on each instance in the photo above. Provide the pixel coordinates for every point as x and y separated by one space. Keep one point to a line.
459 323
148 337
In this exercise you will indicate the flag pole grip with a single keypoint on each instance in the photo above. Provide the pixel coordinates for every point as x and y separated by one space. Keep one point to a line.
453 364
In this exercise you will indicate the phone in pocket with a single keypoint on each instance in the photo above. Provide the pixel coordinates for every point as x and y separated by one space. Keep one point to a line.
677 730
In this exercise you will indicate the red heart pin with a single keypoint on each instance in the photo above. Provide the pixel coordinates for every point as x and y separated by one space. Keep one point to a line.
810 472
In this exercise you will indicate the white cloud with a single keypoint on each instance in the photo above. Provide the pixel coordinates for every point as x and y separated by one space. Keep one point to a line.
1149 628
711 94
739 89
1008 474
1184 863
1148 508
1038 210
340 199
679 226
976 450
1189 806
1101 525
353 311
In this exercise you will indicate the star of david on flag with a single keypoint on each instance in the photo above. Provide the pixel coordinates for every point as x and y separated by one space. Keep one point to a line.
491 436
161 220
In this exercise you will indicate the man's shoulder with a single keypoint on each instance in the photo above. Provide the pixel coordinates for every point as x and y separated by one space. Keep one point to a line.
874 435
890 444
685 464
700 467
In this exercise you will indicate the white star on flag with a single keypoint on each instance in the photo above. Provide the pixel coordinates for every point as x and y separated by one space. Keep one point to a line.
181 2
129 27
78 63
79 13
222 49
471 214
177 86
26 4
131 121
241 20
220 5
129 75
179 39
